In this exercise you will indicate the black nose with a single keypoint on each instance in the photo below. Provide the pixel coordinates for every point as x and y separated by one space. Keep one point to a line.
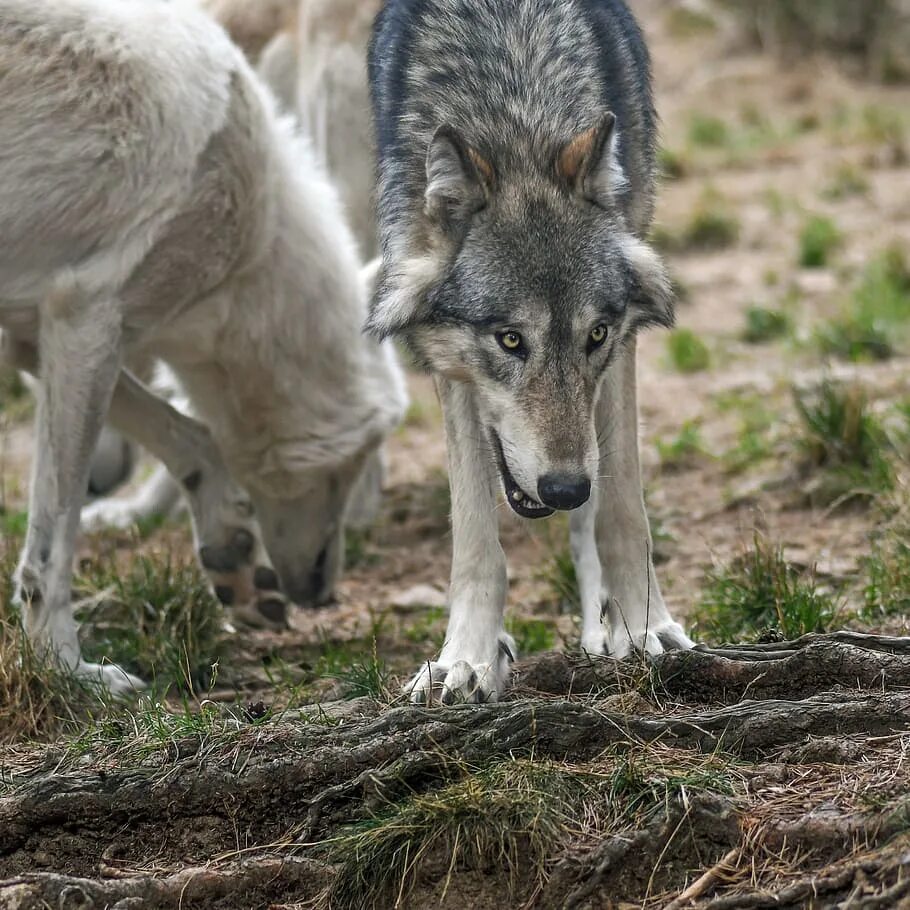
559 491
307 589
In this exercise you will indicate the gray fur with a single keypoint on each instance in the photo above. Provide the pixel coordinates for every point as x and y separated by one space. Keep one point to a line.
516 143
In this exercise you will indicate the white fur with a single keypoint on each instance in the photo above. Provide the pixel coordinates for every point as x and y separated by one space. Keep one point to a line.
622 606
152 203
318 74
475 661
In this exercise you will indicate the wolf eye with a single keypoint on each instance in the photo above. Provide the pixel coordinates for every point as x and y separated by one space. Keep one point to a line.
597 337
511 342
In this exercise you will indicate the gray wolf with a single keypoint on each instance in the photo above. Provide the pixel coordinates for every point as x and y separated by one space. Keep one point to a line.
516 144
152 203
312 55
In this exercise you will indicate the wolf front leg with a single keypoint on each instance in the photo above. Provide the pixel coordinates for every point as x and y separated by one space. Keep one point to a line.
476 659
586 560
634 607
227 535
79 357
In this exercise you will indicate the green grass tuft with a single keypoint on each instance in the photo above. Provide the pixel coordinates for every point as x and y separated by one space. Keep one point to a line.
531 635
765 325
711 228
16 403
683 451
513 815
843 438
754 440
559 575
156 619
877 318
13 526
887 588
687 352
683 22
818 239
38 701
674 165
707 131
761 591
366 676
358 549
846 181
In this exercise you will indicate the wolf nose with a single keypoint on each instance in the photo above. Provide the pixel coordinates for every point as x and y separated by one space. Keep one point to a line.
561 492
307 588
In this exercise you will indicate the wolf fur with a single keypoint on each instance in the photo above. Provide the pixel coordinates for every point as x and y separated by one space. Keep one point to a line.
516 151
153 204
312 55
316 66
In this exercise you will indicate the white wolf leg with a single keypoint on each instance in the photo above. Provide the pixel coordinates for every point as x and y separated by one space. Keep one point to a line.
585 558
158 495
114 456
477 655
227 535
636 612
79 355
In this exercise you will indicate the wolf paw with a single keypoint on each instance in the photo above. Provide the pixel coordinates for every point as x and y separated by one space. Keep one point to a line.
462 682
655 639
594 641
109 513
110 677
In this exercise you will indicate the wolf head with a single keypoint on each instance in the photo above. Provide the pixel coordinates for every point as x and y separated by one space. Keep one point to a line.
304 497
526 285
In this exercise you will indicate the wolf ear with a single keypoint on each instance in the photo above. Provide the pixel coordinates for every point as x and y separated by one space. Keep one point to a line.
459 179
653 298
589 163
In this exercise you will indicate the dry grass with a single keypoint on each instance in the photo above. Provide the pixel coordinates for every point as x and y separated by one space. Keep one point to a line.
37 701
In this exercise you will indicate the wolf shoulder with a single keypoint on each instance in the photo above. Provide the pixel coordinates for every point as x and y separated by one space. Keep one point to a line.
107 108
501 69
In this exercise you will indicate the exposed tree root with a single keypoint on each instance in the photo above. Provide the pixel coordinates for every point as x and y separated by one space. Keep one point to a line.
807 666
113 827
250 884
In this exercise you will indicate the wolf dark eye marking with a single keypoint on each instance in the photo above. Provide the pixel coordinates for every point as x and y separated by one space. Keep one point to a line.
512 343
597 337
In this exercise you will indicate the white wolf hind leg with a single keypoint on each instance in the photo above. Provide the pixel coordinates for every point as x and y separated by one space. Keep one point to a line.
79 354
477 656
637 615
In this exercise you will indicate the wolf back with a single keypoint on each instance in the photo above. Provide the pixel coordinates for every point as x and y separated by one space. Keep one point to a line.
469 64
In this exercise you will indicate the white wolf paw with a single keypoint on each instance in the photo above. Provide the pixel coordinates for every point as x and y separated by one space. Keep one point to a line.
114 679
666 635
459 681
109 513
594 641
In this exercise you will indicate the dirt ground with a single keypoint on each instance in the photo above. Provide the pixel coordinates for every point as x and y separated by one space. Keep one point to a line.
770 775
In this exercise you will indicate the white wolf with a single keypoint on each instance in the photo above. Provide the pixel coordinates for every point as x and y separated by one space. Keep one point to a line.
153 204
312 55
